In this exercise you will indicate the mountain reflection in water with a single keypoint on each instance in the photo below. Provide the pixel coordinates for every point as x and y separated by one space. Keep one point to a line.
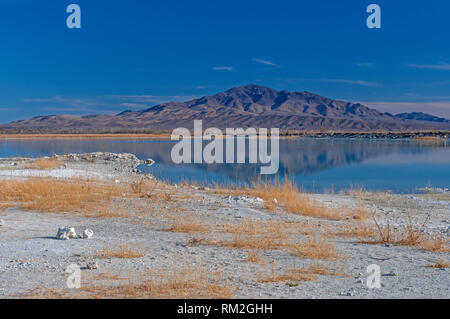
314 164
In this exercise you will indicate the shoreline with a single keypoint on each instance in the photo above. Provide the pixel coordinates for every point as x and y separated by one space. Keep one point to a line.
417 135
262 247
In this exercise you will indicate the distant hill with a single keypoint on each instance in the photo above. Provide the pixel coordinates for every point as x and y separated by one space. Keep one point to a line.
246 106
419 116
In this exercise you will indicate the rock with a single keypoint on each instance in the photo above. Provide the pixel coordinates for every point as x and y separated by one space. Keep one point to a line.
92 265
87 233
149 162
250 200
66 233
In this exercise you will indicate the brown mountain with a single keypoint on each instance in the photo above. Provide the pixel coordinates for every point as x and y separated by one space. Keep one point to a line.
246 106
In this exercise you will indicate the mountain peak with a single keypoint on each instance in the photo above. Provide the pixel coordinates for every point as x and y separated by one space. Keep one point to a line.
244 106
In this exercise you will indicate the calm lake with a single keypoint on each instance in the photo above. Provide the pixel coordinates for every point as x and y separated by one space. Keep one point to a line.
316 165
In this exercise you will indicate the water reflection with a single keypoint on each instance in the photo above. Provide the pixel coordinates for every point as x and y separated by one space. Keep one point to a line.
313 163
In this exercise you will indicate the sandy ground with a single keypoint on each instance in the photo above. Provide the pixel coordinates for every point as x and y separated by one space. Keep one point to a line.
33 261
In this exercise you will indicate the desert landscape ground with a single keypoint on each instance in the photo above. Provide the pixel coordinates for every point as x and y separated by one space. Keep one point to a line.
152 239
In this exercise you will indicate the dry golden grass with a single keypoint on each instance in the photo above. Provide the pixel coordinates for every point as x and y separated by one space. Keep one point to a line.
43 164
266 242
359 230
122 252
325 269
412 236
435 244
88 198
187 224
439 264
252 228
255 256
301 274
315 248
287 195
429 138
289 276
188 281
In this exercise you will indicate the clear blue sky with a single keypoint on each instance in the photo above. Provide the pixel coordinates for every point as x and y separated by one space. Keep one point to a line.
134 54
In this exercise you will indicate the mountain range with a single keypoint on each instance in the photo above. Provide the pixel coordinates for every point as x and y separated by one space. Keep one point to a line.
245 106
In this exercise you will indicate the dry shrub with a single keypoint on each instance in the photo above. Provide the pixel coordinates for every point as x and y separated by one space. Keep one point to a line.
137 186
122 251
189 281
89 198
360 212
44 164
412 236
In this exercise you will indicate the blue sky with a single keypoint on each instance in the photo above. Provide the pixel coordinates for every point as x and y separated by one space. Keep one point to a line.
134 54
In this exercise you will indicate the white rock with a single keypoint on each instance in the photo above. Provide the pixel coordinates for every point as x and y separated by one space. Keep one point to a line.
87 233
250 200
66 233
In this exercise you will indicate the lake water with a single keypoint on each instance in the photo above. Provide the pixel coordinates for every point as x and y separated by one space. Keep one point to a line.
314 164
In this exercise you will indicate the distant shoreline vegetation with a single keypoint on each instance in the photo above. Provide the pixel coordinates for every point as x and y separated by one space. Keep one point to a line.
419 135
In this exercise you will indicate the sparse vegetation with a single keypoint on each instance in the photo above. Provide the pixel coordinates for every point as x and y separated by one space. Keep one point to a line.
439 264
88 198
180 282
122 251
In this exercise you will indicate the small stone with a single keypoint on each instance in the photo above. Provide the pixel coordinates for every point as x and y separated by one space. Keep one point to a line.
66 233
87 233
92 265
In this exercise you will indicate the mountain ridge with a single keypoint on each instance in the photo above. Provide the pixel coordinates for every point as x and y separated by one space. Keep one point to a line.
245 106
